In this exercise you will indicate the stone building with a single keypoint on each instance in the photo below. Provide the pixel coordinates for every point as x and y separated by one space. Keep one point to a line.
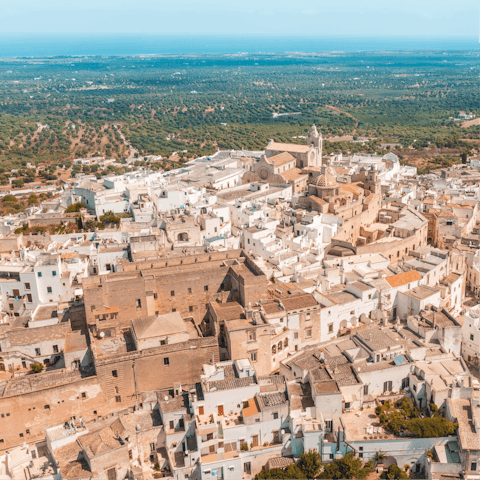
164 285
308 155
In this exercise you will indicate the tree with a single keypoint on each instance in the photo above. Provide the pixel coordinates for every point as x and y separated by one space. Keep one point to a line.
291 472
75 207
36 367
310 463
33 199
9 199
431 427
348 467
394 472
18 183
109 217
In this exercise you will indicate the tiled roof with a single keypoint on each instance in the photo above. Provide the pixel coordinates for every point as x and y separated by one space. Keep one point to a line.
230 383
288 147
294 174
280 159
351 187
403 278
461 409
272 399
279 462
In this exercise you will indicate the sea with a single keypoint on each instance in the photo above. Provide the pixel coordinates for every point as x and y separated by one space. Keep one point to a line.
71 45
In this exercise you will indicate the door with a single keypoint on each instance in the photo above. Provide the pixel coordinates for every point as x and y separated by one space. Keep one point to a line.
211 448
112 474
276 438
220 409
255 440
16 293
247 468
200 410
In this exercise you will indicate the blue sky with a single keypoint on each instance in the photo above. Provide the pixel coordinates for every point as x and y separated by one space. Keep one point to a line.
441 18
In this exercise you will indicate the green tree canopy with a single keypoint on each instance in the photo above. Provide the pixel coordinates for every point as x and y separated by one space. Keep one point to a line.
348 467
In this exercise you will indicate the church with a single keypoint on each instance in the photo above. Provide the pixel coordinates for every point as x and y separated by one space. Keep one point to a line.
289 163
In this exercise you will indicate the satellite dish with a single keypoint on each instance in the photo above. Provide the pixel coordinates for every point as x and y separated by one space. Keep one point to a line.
102 334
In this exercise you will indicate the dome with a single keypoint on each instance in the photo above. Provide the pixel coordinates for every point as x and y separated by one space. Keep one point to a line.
331 171
326 180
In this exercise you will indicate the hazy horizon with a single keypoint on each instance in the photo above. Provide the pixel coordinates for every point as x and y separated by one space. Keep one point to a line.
249 17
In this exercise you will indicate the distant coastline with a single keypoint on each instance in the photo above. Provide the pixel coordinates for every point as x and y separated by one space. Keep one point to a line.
74 45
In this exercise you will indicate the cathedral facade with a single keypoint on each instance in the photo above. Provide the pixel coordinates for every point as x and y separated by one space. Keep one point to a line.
309 155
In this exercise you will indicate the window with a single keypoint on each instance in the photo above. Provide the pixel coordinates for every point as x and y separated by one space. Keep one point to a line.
163 342
10 305
414 388
331 454
54 273
471 337
172 293
205 288
295 335
108 266
46 407
84 395
189 290
365 389
114 373
369 296
308 332
138 303
118 399
49 289
330 328
190 308
275 415
347 404
21 435
174 310
152 447
94 270
27 286
252 336
473 466
155 296
29 298
253 356
55 349
166 361
39 274
38 352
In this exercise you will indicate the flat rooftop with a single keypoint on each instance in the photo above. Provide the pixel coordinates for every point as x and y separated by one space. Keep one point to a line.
356 426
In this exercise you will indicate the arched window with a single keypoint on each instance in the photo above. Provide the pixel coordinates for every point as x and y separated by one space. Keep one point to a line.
274 349
280 346
285 343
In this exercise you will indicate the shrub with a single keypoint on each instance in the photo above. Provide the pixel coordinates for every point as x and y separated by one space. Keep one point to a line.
36 367
394 472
